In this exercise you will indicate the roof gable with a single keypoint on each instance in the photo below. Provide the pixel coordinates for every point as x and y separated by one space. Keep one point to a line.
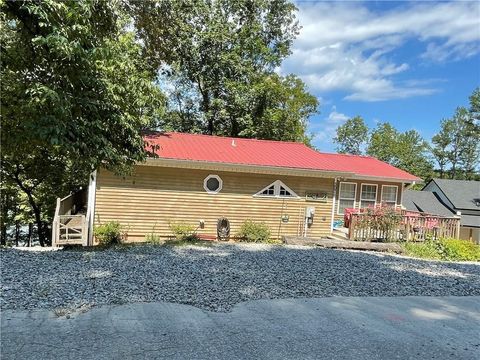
463 194
267 153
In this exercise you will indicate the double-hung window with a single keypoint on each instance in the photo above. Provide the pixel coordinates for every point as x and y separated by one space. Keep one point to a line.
346 196
368 196
389 195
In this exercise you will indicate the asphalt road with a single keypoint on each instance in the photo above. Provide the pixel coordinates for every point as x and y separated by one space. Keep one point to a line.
325 328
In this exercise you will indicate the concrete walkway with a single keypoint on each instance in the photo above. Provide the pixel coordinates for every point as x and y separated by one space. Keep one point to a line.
326 328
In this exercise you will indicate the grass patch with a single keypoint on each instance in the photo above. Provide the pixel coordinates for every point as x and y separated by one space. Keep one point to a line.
444 249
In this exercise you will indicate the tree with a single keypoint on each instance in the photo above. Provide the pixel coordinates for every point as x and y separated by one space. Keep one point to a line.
475 106
412 154
407 151
352 136
383 142
441 142
223 55
75 95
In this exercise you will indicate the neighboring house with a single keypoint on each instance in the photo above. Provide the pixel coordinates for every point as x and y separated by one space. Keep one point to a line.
199 179
448 198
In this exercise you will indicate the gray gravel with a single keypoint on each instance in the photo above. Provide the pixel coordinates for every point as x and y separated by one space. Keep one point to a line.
218 276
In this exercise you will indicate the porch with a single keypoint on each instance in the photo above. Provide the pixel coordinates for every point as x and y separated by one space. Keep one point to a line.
400 225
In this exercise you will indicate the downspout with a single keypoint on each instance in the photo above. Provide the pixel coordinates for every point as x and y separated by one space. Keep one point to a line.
334 201
92 192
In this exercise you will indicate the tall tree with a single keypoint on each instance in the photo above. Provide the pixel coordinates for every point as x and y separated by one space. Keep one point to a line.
352 136
224 53
383 142
412 154
441 141
407 151
75 94
475 106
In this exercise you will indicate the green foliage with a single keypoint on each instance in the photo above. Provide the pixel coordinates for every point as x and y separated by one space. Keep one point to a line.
219 57
462 250
407 151
424 250
352 136
183 231
251 231
153 238
75 93
109 233
444 249
456 144
384 219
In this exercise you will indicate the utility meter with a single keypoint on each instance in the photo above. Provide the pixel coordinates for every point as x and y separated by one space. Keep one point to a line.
309 213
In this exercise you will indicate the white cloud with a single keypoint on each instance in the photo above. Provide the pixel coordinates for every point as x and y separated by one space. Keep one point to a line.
346 46
325 129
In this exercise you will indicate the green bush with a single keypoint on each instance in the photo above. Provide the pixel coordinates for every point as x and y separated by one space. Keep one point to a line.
183 231
444 249
153 238
109 233
454 249
254 232
424 250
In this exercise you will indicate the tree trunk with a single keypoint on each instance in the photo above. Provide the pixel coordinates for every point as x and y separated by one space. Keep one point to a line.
30 233
17 233
3 239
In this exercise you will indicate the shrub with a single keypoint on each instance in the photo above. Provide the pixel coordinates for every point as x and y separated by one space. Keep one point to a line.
455 249
445 249
153 238
383 220
183 231
109 233
424 250
254 232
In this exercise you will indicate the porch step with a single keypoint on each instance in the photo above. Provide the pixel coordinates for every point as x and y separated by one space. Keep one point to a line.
339 234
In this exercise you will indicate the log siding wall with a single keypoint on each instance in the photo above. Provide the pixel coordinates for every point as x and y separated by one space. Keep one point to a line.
152 197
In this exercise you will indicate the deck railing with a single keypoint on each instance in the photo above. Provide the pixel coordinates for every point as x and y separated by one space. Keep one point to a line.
69 227
408 226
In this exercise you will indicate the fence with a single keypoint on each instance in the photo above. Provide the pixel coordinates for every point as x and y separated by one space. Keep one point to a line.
405 226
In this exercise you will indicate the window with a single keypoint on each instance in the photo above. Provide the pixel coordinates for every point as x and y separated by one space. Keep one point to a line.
277 189
346 196
368 197
212 184
389 195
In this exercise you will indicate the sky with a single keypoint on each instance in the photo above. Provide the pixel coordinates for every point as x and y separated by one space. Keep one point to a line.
408 63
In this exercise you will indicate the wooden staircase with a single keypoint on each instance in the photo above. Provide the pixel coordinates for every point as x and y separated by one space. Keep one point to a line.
339 234
70 224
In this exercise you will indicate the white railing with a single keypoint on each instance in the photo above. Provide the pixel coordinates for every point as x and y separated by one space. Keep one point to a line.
68 228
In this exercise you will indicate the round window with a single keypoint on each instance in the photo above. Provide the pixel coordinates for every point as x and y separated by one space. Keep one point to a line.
212 184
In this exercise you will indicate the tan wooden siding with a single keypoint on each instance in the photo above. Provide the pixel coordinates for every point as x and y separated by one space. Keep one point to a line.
359 189
153 197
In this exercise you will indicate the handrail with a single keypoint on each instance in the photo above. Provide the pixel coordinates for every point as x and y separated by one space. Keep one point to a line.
411 226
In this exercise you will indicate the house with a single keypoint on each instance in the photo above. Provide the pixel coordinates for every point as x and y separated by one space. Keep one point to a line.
450 197
199 179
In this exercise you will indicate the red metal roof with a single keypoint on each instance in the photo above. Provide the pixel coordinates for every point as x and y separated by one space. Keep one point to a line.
195 147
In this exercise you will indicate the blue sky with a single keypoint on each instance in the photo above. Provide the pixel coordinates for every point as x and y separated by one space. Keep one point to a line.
408 63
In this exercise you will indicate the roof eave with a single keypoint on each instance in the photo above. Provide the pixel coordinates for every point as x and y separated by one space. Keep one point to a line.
387 179
258 169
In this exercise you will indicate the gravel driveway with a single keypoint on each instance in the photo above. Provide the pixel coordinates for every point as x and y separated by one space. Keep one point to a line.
218 276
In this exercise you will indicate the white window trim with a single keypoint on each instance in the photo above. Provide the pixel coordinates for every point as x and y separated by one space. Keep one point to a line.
276 192
220 182
368 200
340 195
396 193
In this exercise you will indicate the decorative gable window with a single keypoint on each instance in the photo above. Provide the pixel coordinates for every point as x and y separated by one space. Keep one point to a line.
277 189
